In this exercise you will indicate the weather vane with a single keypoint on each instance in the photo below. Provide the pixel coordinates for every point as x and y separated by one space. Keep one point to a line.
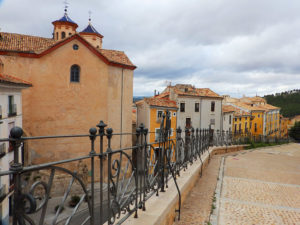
90 14
66 5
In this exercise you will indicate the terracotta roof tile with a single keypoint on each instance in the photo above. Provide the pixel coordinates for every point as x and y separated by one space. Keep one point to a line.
7 79
228 108
116 56
248 106
156 101
189 90
32 44
23 43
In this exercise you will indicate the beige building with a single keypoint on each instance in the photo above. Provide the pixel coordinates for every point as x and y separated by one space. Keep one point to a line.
76 83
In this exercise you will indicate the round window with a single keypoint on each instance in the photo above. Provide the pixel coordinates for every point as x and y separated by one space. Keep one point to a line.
75 47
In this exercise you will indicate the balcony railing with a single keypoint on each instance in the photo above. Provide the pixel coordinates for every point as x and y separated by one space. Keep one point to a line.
2 150
127 177
12 111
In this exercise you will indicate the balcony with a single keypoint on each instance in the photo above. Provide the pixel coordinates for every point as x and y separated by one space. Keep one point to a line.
2 150
2 192
12 110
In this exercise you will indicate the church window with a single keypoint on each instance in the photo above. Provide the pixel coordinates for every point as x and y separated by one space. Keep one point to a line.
75 73
75 47
63 35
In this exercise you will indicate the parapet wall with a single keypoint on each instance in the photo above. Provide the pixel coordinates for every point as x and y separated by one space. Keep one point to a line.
161 210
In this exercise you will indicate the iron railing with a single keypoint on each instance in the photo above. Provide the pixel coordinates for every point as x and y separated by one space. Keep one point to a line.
120 180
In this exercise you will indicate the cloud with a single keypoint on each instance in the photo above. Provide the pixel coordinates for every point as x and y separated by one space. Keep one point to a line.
231 46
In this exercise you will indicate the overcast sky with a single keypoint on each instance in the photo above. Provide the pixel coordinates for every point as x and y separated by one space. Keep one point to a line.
233 47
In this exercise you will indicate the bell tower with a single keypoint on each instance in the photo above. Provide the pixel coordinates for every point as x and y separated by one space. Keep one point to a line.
64 27
92 35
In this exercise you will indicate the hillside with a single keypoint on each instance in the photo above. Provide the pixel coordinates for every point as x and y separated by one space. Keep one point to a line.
288 101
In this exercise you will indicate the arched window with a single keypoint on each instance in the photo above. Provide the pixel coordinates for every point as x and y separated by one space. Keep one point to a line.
75 73
63 35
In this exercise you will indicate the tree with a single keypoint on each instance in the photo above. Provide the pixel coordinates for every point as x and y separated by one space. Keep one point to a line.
294 132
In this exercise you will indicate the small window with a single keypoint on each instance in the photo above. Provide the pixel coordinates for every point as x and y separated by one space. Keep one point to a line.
157 134
229 119
196 107
63 35
56 35
70 34
212 106
212 121
75 47
235 119
174 114
159 114
75 73
240 118
258 116
182 107
240 127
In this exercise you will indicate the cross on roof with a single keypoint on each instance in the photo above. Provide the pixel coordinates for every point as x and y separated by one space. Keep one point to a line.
90 14
66 5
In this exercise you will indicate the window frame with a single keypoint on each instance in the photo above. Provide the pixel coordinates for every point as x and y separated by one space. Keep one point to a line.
75 78
182 106
158 111
197 107
212 106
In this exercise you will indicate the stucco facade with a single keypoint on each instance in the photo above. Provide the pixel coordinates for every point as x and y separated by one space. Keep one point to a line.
197 107
10 116
57 106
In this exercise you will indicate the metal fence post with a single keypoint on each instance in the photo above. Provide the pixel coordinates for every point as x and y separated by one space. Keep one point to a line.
18 203
109 132
138 132
93 132
145 132
101 127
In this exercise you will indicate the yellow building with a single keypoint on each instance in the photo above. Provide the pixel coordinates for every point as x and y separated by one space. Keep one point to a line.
264 117
241 121
150 112
284 127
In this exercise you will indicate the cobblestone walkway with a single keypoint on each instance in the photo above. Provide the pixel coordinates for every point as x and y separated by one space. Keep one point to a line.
197 206
261 187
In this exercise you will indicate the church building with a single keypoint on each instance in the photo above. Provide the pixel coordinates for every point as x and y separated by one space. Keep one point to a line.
75 84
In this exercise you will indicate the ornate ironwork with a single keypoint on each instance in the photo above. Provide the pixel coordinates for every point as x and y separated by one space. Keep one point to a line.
126 178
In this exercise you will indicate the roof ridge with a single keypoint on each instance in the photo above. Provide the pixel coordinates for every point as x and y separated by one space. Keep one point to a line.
28 35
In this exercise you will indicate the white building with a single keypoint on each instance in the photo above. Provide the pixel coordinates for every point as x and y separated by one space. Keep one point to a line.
197 107
10 116
228 114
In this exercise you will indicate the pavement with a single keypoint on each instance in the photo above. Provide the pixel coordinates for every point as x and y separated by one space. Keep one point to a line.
261 187
258 186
